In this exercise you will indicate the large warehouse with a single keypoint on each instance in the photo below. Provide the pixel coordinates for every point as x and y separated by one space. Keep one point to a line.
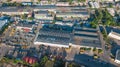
86 37
53 37
65 37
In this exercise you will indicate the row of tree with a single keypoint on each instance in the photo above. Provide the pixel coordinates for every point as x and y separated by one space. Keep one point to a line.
45 62
102 16
12 4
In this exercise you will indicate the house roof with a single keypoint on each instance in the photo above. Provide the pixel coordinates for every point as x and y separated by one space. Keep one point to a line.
30 60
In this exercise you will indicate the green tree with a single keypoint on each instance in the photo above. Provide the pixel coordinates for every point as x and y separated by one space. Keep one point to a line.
9 0
49 63
93 24
108 22
100 50
73 65
39 0
43 60
30 18
18 4
70 1
94 49
36 65
24 16
81 0
110 5
70 65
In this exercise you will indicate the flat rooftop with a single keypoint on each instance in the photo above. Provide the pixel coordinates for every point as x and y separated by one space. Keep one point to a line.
56 33
42 12
53 39
64 13
25 24
86 37
70 8
14 9
86 32
83 41
53 36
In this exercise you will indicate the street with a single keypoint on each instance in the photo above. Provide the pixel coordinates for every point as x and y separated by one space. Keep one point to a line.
106 53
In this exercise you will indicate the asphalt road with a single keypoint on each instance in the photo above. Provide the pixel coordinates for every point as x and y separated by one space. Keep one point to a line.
106 53
71 53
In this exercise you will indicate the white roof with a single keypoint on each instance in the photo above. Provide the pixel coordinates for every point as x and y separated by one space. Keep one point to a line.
2 23
114 35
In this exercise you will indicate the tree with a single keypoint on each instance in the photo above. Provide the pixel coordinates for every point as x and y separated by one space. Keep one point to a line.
43 61
73 65
9 0
70 1
93 24
98 15
70 65
49 63
59 63
100 50
39 0
49 0
24 16
110 5
81 0
54 21
35 65
94 49
108 22
81 24
19 4
30 18
108 18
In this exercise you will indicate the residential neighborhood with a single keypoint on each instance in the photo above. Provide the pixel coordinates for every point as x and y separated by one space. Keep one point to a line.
59 33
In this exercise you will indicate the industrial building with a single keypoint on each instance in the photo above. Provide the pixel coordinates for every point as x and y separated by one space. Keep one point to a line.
86 37
60 36
25 26
59 11
14 10
117 58
114 35
43 15
53 37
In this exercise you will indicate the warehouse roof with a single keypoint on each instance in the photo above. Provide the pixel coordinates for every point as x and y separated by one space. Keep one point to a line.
26 24
53 36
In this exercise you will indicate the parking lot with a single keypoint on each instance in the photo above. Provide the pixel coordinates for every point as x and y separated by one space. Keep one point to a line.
20 38
4 50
